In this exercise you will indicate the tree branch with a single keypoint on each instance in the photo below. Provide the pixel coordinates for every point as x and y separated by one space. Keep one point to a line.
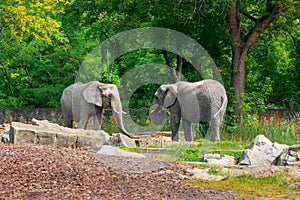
246 14
260 25
297 46
179 66
171 66
8 82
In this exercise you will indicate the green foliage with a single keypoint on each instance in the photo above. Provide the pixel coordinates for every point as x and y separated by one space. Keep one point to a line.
43 44
30 20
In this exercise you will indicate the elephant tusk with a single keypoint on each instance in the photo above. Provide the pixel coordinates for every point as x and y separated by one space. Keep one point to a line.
152 111
116 111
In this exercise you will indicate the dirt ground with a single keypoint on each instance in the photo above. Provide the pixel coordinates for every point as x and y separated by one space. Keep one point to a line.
47 172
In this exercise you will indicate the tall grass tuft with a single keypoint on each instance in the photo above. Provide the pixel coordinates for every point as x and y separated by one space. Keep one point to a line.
284 132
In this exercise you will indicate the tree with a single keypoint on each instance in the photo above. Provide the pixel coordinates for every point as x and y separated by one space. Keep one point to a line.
261 16
27 30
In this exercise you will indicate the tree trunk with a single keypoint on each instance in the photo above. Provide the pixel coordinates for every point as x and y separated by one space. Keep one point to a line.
240 47
238 64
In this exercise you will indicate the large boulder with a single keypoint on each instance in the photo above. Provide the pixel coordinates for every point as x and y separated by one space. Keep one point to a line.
262 151
52 134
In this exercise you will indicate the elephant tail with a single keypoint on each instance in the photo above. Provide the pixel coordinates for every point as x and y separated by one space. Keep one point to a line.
223 106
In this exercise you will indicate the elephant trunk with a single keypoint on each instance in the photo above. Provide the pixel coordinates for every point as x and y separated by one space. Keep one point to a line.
118 116
117 113
157 114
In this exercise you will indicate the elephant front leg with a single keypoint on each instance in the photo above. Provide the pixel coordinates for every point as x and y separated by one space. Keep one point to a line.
187 127
82 124
175 121
175 128
98 118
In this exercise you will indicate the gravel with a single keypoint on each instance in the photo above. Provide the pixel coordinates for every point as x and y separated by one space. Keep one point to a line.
48 172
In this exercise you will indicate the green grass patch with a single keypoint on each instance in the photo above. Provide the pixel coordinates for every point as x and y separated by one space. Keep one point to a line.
215 171
195 153
251 187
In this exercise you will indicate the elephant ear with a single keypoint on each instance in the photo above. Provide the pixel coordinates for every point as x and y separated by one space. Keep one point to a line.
92 94
157 114
170 97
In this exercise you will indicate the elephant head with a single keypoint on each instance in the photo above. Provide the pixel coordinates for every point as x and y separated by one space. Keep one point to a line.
101 94
165 97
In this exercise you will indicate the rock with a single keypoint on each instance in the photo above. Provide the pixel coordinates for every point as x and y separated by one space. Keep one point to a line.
289 158
120 139
262 151
204 175
53 134
212 156
126 141
115 151
220 160
46 137
91 140
39 122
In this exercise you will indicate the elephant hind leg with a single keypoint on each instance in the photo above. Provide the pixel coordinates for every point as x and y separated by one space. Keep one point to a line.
214 130
68 121
187 127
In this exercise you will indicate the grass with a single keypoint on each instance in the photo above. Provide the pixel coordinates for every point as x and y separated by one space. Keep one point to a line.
284 132
233 142
250 187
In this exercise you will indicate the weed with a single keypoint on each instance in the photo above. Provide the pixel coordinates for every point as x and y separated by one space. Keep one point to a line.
214 171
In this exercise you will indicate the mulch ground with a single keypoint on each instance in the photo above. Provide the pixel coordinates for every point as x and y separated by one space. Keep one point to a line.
47 172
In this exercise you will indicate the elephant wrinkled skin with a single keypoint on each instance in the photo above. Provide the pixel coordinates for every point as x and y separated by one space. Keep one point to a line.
80 101
199 102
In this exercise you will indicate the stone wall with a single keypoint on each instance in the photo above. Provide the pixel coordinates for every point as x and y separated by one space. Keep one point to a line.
25 115
274 116
53 115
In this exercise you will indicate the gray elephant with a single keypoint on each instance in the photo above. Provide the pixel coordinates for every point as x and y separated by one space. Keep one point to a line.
80 101
199 102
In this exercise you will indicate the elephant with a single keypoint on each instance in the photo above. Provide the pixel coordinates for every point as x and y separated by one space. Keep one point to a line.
198 102
80 101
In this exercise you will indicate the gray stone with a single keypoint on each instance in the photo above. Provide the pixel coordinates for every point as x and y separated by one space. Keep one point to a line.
289 158
220 160
39 122
66 140
204 175
92 141
19 135
53 134
115 151
45 138
120 139
127 142
262 151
